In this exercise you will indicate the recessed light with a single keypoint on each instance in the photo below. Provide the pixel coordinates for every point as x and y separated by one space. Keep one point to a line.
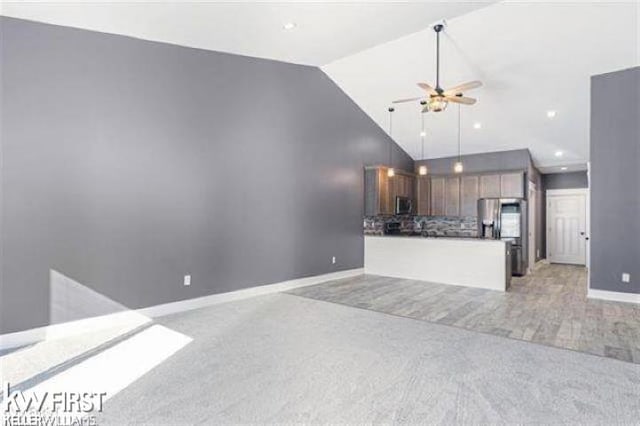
551 113
559 153
563 168
289 26
423 133
477 125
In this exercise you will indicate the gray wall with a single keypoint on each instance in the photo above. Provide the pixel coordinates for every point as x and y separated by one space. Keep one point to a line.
615 180
477 163
128 164
570 180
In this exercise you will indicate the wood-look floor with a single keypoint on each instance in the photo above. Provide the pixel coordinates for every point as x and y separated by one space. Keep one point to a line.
549 307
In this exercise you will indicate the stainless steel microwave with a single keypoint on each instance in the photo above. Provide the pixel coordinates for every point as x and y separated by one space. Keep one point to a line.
404 205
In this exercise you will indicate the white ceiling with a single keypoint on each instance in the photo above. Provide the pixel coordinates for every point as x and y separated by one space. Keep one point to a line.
532 57
325 31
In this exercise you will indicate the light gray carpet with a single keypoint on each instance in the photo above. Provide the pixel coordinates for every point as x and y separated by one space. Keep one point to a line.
283 358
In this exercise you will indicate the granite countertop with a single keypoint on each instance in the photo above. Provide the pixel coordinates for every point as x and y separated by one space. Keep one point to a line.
429 237
405 233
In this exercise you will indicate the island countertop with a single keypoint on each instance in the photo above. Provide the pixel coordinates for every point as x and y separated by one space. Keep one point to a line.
471 262
446 238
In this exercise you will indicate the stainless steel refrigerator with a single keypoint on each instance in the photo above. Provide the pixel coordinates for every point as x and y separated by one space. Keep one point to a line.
505 219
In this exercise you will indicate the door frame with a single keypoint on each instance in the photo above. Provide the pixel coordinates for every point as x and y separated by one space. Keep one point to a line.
587 219
532 205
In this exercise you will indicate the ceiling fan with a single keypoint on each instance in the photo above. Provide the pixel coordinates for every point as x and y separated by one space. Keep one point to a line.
438 98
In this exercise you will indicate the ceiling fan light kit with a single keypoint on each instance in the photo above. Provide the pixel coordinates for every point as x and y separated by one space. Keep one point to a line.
437 104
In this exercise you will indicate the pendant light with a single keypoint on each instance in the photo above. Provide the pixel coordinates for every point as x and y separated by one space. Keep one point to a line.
422 170
390 171
458 167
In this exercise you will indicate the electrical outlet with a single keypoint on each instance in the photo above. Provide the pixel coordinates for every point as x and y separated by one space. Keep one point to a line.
626 278
333 260
187 280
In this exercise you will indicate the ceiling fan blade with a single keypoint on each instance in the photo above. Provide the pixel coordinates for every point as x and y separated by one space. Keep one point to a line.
461 100
399 101
461 88
428 88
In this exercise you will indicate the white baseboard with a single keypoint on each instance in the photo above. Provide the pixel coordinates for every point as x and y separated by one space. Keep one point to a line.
214 299
614 296
143 315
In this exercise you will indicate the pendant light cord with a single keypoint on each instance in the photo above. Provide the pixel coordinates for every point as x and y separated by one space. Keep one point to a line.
391 109
422 135
459 131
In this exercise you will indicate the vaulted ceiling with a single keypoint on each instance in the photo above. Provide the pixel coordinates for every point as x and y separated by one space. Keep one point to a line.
532 56
325 30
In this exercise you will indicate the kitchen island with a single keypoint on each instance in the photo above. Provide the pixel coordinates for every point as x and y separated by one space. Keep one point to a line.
470 262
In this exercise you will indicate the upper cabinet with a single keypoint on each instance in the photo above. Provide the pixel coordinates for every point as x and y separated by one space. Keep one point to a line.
512 185
423 195
458 195
377 199
438 196
381 190
452 196
502 185
469 194
403 185
384 191
490 186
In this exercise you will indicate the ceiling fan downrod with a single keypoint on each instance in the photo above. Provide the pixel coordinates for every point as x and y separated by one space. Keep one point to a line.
438 28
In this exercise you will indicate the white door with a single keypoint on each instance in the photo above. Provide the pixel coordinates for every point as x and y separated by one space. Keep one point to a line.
566 227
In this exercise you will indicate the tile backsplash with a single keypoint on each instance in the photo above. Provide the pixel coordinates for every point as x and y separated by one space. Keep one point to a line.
429 226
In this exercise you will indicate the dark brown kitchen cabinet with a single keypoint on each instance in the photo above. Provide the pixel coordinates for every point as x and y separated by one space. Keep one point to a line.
490 186
438 196
469 194
396 186
385 191
411 186
377 200
381 190
452 196
512 185
403 185
423 195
